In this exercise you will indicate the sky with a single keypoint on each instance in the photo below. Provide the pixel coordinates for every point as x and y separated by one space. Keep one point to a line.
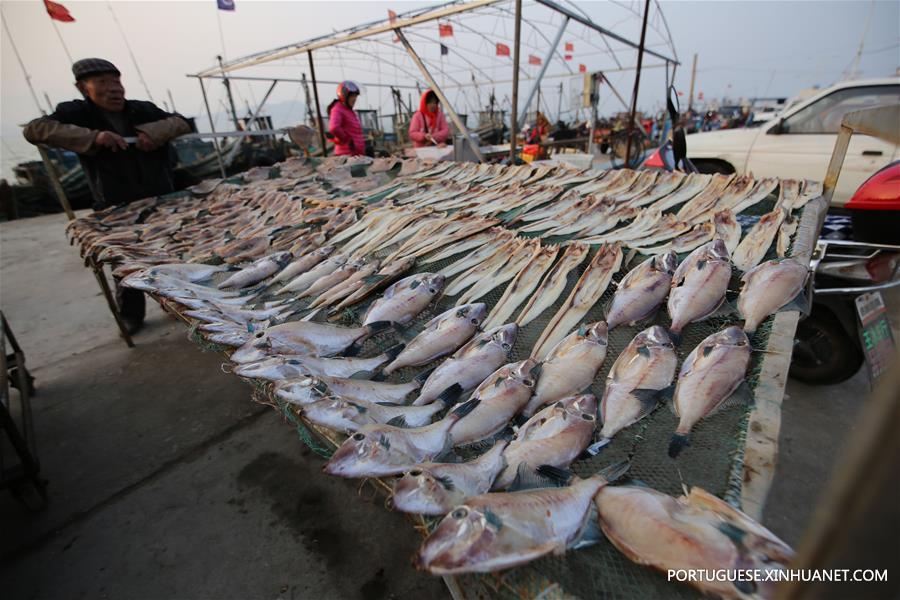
744 49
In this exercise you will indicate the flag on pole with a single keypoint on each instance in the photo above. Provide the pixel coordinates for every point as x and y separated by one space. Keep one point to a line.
392 16
568 57
533 60
570 47
225 4
58 12
445 29
444 50
502 49
582 69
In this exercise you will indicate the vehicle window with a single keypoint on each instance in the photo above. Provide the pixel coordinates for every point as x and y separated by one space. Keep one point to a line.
825 115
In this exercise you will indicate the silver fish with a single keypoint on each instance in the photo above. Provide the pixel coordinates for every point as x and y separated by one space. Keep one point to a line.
303 264
767 287
435 488
401 302
314 388
378 450
554 436
340 414
304 337
330 281
699 284
292 367
257 270
443 334
193 272
709 375
229 338
645 366
503 395
757 241
307 278
471 364
642 291
699 531
571 366
497 531
727 229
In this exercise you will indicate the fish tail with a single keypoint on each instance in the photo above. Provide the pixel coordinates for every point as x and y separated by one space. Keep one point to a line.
676 336
394 351
614 471
463 409
377 327
449 395
422 377
678 443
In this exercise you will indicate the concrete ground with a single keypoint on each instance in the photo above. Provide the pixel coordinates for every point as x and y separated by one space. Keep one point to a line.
166 480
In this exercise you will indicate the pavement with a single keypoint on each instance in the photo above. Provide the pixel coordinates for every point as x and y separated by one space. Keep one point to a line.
167 481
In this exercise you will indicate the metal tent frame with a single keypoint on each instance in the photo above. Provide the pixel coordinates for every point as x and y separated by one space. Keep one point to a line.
410 44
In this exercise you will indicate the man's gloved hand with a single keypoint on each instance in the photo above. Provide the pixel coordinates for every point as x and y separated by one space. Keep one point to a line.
110 140
144 143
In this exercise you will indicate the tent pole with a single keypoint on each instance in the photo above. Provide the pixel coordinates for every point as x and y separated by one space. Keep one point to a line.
443 99
513 125
212 127
537 82
321 127
637 84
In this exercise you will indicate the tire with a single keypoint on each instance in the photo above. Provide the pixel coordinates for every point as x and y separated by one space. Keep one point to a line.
824 354
713 166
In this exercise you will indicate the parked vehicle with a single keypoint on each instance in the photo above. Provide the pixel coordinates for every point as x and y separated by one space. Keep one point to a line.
798 144
858 252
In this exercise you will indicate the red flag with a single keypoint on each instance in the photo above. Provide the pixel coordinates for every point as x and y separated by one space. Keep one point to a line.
533 60
582 69
445 30
570 47
392 16
568 57
58 12
502 49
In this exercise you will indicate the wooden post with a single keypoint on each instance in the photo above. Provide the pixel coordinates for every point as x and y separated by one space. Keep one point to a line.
98 272
212 128
693 77
315 87
637 84
443 99
513 125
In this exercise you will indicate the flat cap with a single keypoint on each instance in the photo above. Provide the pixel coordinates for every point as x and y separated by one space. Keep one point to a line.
92 66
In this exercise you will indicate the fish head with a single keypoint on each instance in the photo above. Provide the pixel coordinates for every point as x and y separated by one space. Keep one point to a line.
141 280
716 250
473 313
324 251
282 259
256 348
653 337
434 283
730 336
505 336
304 391
338 259
524 372
596 332
464 537
275 367
421 491
666 263
353 457
583 407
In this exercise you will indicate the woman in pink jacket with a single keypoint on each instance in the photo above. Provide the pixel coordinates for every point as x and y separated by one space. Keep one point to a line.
343 124
428 126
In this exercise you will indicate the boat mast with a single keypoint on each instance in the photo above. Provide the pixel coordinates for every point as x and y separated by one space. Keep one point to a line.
131 53
21 64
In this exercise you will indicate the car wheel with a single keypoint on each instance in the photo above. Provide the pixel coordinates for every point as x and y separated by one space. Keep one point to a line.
823 352
713 166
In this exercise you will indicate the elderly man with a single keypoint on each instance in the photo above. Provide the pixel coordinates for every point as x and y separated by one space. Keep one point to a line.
118 172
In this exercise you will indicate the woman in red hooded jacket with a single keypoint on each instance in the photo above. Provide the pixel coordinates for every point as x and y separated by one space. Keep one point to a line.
343 124
428 126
